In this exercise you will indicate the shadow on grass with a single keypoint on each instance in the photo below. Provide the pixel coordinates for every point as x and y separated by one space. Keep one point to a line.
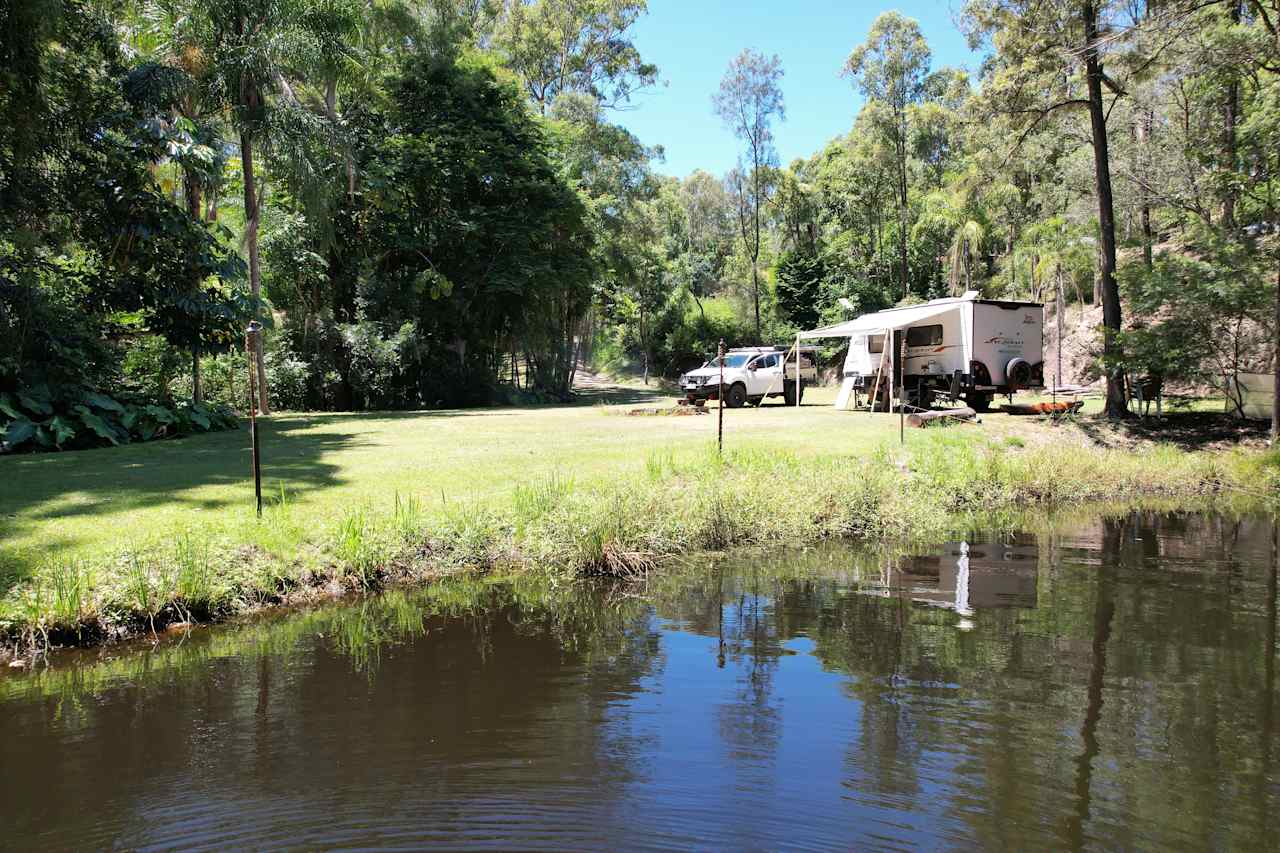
38 491
619 395
1185 430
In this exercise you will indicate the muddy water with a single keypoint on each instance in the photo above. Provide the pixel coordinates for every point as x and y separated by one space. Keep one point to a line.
1107 685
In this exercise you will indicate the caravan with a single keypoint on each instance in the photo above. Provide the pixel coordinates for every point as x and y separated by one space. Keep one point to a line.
965 347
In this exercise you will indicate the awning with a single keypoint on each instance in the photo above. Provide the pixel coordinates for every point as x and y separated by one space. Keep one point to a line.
894 318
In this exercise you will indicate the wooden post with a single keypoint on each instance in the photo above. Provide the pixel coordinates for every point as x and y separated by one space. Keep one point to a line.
251 339
720 397
875 391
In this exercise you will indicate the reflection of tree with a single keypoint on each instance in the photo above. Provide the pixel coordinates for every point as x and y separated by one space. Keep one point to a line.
1266 729
1103 614
751 723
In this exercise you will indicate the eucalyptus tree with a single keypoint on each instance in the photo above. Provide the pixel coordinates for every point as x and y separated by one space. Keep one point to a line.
891 69
557 46
1051 57
748 102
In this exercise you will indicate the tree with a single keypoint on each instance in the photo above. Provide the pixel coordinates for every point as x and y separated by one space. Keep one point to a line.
1203 310
800 276
891 69
186 129
1052 58
1260 138
558 46
749 100
93 246
248 42
476 237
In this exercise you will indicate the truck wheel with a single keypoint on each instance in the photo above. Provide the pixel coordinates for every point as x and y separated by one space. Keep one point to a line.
789 393
755 401
978 402
737 396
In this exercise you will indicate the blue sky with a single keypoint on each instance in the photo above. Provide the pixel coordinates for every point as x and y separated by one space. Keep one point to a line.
692 42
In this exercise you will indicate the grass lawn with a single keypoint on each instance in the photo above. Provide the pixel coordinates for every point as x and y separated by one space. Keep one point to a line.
93 504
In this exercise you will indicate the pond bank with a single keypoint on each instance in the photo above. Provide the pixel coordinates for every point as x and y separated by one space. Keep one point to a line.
624 527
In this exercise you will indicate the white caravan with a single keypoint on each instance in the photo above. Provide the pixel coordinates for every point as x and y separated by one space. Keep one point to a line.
965 347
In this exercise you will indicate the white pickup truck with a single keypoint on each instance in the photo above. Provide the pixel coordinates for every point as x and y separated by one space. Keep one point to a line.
751 374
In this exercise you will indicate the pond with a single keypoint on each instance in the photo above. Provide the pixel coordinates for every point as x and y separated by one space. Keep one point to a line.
1106 683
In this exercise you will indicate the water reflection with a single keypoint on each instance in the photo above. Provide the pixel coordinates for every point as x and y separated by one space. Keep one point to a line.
1099 685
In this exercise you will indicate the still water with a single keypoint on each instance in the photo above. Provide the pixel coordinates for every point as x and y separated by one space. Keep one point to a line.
1109 684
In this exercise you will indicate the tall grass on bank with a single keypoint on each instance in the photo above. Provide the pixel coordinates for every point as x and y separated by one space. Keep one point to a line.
628 526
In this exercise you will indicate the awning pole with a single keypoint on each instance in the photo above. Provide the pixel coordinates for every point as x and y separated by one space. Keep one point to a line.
798 385
901 352
893 364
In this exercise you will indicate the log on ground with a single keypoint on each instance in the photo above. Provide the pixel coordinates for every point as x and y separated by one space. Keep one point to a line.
923 419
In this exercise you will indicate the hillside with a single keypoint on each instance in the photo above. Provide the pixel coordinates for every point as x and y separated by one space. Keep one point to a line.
1081 347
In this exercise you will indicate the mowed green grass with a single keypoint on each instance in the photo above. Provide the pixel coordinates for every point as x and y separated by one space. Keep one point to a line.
94 505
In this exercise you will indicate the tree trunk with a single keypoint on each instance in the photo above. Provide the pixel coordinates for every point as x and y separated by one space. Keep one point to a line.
192 190
1116 404
755 250
251 219
1275 403
968 276
1230 118
197 393
902 218
755 292
1145 124
1061 307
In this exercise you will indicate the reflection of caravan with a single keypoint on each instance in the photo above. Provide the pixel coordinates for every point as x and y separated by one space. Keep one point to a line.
965 347
965 578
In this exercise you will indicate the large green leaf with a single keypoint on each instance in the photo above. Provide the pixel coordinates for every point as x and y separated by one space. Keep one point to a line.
161 414
99 427
34 403
63 430
9 406
201 420
102 401
20 431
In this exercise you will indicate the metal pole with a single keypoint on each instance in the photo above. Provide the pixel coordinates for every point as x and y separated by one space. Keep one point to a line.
720 398
250 347
901 369
798 385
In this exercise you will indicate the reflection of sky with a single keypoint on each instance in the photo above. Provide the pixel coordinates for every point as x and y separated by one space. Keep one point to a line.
794 789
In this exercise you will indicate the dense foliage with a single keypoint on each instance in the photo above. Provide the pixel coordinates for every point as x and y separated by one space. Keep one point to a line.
428 203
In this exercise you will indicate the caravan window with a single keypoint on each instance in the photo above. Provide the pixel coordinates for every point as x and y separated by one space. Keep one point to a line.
875 343
924 336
